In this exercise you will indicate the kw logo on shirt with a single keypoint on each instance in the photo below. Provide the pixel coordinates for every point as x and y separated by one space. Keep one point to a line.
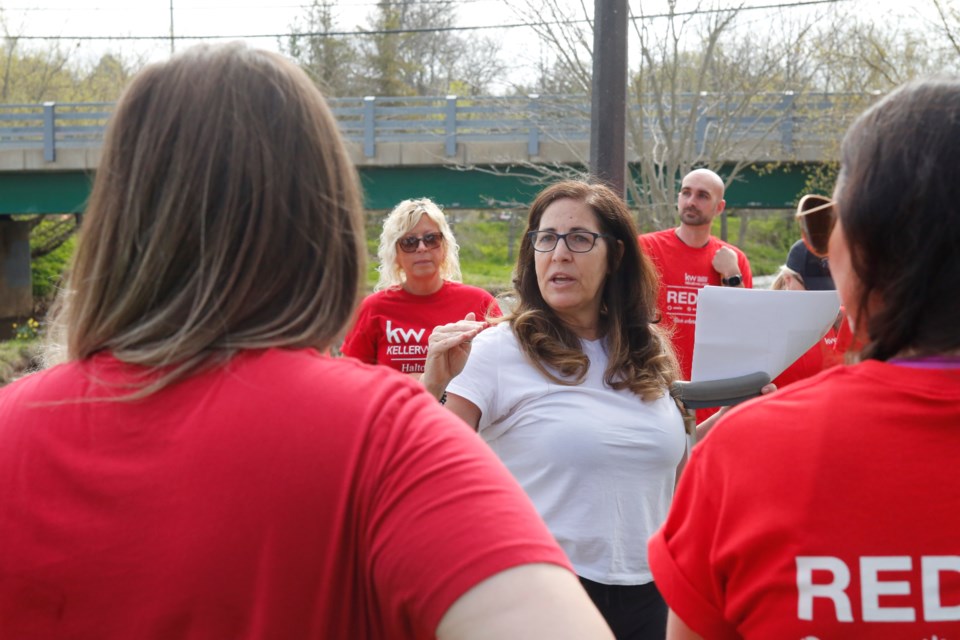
695 280
402 336
409 358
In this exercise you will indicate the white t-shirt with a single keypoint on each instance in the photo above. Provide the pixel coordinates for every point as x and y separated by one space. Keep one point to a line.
598 464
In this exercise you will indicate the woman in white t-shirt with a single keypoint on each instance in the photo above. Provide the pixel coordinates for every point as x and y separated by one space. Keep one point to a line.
571 391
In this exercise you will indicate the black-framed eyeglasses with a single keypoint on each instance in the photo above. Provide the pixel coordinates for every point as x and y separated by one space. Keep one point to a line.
817 216
410 244
576 241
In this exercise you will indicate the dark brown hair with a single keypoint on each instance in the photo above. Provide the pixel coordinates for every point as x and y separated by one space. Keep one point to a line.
640 358
225 215
898 200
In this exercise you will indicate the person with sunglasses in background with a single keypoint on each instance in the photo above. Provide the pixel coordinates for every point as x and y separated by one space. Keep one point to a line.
419 288
806 271
831 508
570 391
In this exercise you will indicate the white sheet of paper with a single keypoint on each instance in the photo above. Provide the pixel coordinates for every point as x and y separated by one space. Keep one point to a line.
742 331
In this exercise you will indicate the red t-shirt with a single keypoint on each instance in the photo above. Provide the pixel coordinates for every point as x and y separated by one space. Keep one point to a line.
830 509
284 494
393 326
684 270
817 358
829 352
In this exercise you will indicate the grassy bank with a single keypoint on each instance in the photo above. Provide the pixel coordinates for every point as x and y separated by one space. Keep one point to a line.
17 357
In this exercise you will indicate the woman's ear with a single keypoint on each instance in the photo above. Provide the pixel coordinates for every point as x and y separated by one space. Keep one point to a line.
620 250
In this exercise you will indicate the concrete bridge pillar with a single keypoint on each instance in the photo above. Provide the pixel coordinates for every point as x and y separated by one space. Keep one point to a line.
16 291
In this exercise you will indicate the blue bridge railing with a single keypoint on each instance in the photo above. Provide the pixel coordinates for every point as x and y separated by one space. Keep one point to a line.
785 119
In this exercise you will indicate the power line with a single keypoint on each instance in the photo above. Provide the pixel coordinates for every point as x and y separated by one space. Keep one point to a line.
258 7
413 30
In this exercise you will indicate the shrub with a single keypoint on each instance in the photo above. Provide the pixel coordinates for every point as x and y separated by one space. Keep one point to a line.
47 270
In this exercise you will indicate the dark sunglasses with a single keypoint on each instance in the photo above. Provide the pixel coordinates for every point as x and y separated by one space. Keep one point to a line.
410 244
817 216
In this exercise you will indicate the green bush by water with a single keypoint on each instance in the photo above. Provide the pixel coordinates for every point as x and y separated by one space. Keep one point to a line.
769 238
47 270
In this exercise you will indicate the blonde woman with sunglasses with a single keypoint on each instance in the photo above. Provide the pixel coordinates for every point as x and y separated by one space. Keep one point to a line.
831 508
419 288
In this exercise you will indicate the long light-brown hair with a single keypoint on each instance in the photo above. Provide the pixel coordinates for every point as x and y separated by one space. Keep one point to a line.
640 357
225 215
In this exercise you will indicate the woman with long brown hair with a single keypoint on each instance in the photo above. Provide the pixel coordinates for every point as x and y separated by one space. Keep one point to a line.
571 392
197 467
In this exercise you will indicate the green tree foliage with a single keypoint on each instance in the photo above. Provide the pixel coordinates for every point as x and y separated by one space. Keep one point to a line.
105 79
33 76
405 49
47 270
389 68
29 75
332 60
425 57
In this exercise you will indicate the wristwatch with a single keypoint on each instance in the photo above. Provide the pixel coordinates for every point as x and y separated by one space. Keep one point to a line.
732 281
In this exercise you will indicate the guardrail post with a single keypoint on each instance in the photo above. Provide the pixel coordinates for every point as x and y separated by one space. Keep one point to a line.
369 127
787 121
703 123
451 126
701 136
533 136
49 132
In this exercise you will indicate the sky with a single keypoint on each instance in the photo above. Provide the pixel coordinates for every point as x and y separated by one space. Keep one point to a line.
248 19
258 22
194 18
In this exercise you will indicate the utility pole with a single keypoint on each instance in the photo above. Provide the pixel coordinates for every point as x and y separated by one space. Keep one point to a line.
171 28
608 108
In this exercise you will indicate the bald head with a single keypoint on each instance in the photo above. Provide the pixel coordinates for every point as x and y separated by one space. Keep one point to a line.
706 177
701 198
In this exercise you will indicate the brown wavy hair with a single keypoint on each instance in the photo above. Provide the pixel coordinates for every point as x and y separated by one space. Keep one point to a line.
225 215
640 357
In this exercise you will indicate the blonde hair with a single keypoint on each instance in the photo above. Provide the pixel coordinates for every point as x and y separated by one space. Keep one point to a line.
780 282
225 215
399 223
640 356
